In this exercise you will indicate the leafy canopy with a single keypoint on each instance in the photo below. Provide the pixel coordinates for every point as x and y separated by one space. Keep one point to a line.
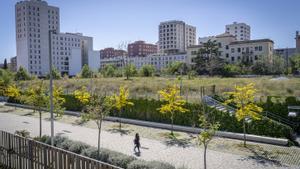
13 91
243 98
82 95
174 101
121 100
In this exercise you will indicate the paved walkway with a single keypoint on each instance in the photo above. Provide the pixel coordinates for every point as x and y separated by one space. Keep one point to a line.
190 157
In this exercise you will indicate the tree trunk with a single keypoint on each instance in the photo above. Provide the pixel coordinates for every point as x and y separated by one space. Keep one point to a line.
172 122
99 134
244 128
120 123
40 114
204 156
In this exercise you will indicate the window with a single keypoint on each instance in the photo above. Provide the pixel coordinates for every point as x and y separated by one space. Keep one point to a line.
239 50
232 50
260 48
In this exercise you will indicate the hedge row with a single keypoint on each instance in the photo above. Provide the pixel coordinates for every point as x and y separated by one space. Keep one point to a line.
147 110
108 156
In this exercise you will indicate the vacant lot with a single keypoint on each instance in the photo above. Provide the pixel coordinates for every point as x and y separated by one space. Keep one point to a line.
148 87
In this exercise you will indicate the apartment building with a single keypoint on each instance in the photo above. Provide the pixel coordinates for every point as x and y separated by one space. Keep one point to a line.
241 31
34 20
118 61
159 61
111 53
175 36
234 51
141 49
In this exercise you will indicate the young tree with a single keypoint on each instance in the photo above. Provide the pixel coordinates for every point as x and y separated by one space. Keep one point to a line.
278 65
295 64
130 70
86 72
55 74
13 92
36 96
58 101
5 64
97 107
6 78
108 71
207 134
22 74
173 102
243 98
121 100
147 70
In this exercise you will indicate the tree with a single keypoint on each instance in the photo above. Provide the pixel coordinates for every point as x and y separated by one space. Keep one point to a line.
147 70
120 101
130 70
207 60
243 98
97 107
36 96
207 134
108 70
13 92
295 64
278 65
261 67
173 102
55 74
6 78
86 72
22 74
177 68
58 101
5 64
231 70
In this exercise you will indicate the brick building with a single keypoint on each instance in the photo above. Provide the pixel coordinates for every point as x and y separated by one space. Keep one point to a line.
140 48
111 52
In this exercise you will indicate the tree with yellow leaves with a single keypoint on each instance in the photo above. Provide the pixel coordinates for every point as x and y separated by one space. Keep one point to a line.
96 108
173 102
13 92
120 101
243 99
36 96
58 101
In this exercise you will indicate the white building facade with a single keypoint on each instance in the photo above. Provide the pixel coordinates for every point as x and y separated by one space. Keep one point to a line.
241 31
34 19
175 36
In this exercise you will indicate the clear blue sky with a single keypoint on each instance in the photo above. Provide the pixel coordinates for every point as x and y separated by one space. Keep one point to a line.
111 22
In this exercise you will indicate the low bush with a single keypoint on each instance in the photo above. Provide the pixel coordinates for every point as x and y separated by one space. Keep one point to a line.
77 147
57 140
141 164
42 139
66 144
119 159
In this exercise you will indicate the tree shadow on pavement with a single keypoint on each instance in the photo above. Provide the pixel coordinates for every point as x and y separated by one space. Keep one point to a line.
122 131
262 156
79 122
172 140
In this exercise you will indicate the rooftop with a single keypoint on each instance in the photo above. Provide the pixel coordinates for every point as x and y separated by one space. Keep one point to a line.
251 41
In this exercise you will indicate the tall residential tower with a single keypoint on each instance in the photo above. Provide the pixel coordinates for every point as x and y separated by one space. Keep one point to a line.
175 36
34 19
241 31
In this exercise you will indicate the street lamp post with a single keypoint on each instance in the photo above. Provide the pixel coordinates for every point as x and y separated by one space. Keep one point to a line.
51 87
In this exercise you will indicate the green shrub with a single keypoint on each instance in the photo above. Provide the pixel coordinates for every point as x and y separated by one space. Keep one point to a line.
66 144
119 159
78 146
42 139
141 164
138 164
57 140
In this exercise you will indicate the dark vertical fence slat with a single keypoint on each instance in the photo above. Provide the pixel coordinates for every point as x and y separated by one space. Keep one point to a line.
21 153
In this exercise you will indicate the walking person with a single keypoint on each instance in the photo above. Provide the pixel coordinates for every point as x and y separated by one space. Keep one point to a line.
137 143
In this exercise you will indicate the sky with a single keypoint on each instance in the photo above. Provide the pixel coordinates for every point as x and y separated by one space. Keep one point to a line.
112 22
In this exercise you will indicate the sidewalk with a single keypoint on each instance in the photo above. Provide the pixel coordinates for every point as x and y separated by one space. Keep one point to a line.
190 157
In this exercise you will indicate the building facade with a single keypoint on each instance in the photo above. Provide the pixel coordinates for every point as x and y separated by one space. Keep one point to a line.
241 31
234 51
175 36
140 48
34 20
157 60
111 53
13 64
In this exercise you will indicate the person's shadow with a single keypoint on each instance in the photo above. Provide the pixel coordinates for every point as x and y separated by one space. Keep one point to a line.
138 154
